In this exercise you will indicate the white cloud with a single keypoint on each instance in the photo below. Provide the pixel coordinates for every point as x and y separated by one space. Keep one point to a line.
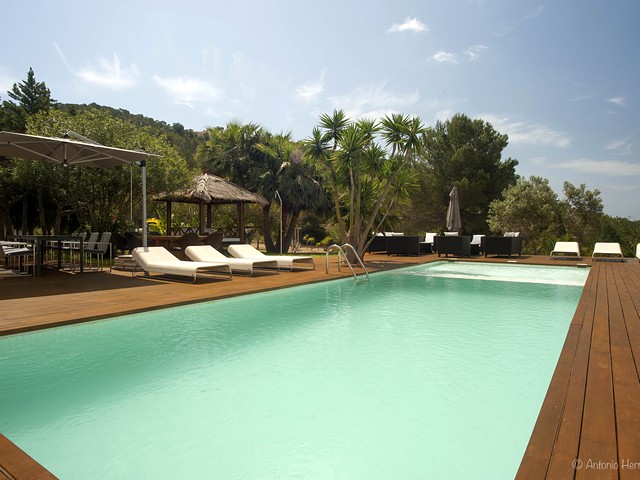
445 57
619 101
612 168
409 25
539 10
188 91
310 90
474 52
373 101
6 84
620 146
109 74
623 188
522 132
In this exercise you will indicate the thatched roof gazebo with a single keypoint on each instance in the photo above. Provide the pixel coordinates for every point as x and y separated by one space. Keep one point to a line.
208 190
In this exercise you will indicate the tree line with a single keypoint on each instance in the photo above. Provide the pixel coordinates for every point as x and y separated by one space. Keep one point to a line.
346 181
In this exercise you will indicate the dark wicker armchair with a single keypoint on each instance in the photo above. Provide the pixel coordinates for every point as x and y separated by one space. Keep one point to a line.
457 246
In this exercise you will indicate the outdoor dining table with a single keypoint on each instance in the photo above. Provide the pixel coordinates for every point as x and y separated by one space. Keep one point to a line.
40 242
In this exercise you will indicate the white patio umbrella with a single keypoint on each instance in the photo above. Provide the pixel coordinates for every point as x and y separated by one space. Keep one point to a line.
84 152
454 223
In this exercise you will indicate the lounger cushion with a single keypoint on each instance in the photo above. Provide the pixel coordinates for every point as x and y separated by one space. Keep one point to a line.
288 262
565 248
159 259
206 253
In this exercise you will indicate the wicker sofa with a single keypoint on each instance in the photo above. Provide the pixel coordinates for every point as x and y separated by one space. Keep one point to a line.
403 245
501 245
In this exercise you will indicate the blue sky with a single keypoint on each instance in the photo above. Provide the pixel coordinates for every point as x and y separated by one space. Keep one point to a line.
561 79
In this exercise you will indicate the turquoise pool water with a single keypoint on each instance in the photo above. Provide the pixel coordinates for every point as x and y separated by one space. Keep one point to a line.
435 371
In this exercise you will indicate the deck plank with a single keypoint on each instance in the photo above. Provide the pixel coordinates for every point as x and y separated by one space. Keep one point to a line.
598 444
15 464
626 379
567 442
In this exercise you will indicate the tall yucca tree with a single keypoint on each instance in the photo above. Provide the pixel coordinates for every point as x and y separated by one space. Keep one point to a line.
366 180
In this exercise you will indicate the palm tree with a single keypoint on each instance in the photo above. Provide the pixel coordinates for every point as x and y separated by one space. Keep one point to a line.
282 169
366 181
230 152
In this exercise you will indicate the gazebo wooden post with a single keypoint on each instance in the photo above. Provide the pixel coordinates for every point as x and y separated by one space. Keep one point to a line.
208 215
201 219
240 206
169 232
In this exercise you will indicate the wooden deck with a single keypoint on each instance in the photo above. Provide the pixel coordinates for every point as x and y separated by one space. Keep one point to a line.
589 424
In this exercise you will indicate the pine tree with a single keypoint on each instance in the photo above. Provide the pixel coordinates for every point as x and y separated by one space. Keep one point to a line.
29 97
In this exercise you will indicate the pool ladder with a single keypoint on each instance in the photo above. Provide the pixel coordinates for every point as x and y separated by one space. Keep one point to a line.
342 254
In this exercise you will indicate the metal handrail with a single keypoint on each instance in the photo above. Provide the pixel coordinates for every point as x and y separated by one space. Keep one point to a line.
342 254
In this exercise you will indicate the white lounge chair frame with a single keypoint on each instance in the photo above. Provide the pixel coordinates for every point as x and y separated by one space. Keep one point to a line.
566 249
285 262
245 266
638 252
161 260
604 249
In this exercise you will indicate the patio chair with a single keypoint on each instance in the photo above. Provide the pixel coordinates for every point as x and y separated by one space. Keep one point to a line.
15 256
456 245
246 266
161 260
476 244
214 239
403 245
286 262
607 250
189 239
73 248
119 243
133 241
638 252
564 249
378 243
427 245
99 249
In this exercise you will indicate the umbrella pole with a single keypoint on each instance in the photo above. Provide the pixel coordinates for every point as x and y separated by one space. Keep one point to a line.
143 174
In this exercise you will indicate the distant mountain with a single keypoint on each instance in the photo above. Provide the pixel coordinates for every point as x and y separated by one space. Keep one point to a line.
185 140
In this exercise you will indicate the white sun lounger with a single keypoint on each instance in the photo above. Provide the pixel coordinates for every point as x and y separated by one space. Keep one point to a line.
206 253
603 249
638 252
161 260
565 249
287 262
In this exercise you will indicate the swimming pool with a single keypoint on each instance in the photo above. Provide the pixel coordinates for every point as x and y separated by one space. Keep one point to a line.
432 371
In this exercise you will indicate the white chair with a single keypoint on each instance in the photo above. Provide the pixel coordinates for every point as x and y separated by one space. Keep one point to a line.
428 245
638 252
563 249
73 248
99 249
206 253
161 260
429 237
15 256
607 249
287 262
